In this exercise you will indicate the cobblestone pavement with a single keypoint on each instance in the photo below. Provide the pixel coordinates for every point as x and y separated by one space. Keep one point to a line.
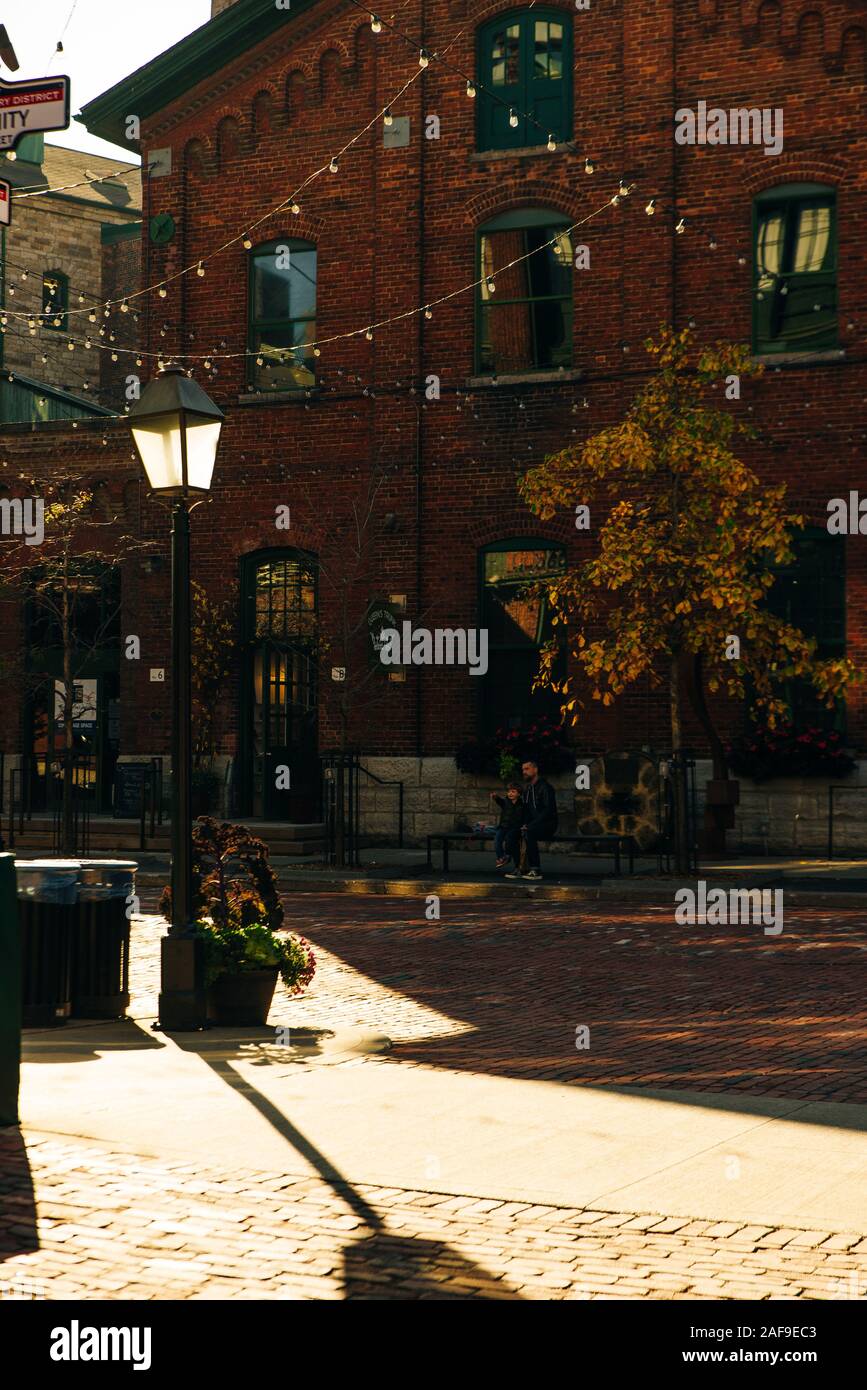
497 990
111 1225
501 990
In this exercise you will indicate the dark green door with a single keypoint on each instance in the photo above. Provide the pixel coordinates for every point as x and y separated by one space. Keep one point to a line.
285 762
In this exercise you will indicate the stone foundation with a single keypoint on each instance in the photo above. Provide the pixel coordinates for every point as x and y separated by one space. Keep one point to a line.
788 815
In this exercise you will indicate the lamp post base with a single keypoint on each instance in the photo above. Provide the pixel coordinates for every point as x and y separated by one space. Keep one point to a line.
182 1001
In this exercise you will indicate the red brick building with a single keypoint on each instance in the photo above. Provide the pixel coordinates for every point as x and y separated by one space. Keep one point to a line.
421 426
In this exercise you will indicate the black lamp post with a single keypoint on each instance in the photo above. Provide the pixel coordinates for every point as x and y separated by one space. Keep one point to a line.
176 430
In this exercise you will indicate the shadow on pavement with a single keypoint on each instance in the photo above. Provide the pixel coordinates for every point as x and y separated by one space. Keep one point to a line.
18 1232
85 1042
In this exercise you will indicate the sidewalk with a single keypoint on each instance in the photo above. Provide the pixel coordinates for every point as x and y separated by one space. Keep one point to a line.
420 1124
403 872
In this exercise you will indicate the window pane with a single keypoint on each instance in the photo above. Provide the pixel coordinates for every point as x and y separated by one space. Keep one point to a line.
548 50
505 56
812 238
513 617
770 246
280 294
282 368
526 321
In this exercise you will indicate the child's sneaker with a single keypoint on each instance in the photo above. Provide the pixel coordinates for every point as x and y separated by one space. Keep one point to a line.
516 873
532 873
501 863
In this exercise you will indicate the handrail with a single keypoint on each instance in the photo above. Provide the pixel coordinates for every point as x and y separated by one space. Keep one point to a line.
390 782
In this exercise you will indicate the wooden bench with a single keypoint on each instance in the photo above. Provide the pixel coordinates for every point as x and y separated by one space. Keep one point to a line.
616 843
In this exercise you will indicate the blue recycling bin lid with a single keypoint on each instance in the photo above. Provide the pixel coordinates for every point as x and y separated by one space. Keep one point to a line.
48 880
99 879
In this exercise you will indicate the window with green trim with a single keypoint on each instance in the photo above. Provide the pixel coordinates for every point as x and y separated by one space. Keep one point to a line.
795 269
55 300
282 315
524 298
810 593
524 65
518 624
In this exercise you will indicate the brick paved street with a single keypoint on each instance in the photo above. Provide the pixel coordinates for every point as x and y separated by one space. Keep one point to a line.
490 990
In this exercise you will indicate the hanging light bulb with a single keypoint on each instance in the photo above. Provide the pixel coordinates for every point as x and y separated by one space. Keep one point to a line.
471 89
207 364
713 243
387 118
260 361
428 313
138 361
681 226
513 117
369 335
376 24
295 208
589 166
423 58
88 342
317 352
200 269
124 308
162 291
552 143
81 299
333 166
71 345
114 357
24 275
489 282
247 242
624 187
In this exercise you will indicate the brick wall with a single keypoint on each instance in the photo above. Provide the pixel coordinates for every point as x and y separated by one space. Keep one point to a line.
396 227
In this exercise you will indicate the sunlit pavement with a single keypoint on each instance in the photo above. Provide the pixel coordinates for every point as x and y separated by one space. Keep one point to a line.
424 1125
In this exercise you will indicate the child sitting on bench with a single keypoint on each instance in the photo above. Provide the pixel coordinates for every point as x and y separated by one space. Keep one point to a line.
507 840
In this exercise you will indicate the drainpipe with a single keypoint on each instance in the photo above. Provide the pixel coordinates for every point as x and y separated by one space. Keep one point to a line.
419 433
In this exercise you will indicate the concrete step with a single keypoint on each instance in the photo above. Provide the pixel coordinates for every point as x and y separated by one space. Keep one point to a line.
115 836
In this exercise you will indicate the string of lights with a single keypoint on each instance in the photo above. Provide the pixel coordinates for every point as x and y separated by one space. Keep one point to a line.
487 279
292 201
33 190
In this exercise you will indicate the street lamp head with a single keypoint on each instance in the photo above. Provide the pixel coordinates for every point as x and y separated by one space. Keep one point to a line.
175 430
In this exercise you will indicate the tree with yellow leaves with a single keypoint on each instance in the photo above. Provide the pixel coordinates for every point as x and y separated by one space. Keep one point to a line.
686 556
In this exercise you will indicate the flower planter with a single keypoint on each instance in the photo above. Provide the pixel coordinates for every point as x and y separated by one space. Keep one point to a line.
242 999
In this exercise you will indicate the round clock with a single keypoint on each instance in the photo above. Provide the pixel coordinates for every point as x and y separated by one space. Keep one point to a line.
162 228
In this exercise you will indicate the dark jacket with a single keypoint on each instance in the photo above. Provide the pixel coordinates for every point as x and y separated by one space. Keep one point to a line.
512 815
541 804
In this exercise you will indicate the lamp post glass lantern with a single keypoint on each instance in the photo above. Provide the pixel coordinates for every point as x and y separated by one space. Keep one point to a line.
175 431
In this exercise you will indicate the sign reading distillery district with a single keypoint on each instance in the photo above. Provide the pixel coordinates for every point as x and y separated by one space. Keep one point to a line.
26 108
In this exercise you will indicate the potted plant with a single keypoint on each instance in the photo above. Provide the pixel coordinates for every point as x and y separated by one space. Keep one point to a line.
239 917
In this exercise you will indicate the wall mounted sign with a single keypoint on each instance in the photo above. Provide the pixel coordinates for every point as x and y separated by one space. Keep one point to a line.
28 107
5 203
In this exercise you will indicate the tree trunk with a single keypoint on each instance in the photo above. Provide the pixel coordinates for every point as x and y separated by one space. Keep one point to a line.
678 772
695 690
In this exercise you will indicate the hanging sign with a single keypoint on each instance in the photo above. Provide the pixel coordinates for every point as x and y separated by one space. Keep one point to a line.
5 203
29 107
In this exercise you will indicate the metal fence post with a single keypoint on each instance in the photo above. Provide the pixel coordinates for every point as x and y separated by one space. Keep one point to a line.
10 992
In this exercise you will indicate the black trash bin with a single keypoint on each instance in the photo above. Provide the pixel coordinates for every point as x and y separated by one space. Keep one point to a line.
100 942
47 892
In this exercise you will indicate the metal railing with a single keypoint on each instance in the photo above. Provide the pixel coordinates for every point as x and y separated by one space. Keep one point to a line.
341 810
82 794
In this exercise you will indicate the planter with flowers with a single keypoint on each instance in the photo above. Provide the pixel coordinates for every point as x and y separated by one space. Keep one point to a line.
543 741
786 752
239 917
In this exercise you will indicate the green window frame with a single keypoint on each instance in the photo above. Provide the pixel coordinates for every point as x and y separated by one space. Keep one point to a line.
282 315
524 322
524 64
795 269
811 594
55 300
517 627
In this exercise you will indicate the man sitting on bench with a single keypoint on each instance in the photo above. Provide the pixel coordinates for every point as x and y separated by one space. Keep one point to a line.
541 820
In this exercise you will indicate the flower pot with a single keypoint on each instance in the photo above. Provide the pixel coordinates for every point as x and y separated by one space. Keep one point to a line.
242 999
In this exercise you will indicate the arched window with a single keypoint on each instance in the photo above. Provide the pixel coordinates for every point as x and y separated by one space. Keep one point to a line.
55 300
282 315
795 269
518 624
524 314
524 66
